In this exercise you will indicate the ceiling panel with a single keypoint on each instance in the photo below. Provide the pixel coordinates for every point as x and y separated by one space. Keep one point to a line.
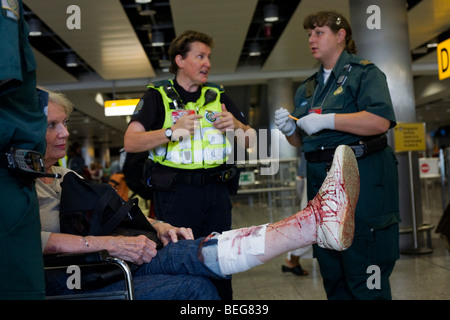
291 51
48 72
427 20
106 40
226 21
108 43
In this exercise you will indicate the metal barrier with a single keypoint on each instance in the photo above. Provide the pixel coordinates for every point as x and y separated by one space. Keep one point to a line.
276 190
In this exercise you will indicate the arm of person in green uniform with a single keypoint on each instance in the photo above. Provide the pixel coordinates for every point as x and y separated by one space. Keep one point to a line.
361 123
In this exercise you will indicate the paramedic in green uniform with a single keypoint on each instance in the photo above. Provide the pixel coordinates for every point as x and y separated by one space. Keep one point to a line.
22 125
347 102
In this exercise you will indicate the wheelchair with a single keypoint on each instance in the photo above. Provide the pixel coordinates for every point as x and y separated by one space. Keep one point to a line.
92 259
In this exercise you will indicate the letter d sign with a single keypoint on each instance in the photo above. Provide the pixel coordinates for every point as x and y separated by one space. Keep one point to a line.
443 51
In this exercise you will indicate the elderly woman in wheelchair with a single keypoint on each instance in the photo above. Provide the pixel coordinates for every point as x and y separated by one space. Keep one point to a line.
182 269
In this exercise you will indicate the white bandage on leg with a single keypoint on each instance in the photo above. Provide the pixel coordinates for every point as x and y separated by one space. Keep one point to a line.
238 249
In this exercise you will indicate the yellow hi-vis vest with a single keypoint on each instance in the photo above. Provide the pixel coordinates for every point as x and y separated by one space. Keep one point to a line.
207 147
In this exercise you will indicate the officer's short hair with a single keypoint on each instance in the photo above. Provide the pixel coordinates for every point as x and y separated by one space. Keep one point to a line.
181 45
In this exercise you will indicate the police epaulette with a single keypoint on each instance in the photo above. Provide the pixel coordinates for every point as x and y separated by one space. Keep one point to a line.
159 83
214 85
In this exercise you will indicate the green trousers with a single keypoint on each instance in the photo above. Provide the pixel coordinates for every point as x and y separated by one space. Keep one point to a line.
21 264
363 270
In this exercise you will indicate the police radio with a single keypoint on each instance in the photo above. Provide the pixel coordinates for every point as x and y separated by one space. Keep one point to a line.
28 163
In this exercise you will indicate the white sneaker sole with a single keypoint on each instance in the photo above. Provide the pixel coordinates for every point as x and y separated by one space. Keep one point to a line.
336 200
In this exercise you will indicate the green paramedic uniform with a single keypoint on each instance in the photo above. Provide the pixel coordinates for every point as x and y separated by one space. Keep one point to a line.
355 85
22 125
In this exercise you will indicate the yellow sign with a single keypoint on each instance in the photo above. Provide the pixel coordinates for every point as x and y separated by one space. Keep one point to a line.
443 51
120 107
409 137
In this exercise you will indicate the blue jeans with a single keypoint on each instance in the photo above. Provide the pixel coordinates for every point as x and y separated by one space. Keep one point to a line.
176 273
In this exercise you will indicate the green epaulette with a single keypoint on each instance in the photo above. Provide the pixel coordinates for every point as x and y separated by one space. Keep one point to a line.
360 61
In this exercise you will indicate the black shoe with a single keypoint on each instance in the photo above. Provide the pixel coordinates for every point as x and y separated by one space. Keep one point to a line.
297 270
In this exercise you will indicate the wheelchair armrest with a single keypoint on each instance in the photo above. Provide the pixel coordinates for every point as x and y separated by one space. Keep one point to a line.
61 260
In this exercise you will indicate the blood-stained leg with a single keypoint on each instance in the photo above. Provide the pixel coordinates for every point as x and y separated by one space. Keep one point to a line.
327 220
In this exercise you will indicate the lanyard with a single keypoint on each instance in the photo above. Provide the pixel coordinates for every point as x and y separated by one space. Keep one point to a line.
339 82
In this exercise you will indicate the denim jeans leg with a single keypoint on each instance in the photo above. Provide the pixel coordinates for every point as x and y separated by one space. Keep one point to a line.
180 258
168 287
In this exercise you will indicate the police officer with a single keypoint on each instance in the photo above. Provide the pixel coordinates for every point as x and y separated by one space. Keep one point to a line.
183 122
347 102
22 125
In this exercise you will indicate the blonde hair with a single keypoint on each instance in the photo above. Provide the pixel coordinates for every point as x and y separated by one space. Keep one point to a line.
60 99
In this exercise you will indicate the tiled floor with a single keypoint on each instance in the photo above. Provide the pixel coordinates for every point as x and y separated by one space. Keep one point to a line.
415 277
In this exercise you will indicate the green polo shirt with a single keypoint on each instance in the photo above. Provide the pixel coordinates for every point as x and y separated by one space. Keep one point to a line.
354 85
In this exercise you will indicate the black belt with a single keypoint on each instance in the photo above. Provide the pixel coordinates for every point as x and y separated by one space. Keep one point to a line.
205 177
361 149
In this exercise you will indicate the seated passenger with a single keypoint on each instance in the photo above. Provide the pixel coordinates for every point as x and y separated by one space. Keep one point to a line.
182 268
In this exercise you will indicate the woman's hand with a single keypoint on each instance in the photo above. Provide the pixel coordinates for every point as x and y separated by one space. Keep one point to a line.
167 232
225 120
186 124
138 250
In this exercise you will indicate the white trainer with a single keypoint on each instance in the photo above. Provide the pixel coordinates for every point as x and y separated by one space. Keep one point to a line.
335 203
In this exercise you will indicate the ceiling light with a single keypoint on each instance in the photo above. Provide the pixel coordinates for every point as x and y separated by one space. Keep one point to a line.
99 99
157 39
270 13
254 49
35 27
146 10
71 60
142 1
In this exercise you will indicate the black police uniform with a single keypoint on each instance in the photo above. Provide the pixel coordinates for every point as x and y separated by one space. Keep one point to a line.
205 208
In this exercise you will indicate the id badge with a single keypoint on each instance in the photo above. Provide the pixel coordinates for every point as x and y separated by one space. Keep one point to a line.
315 110
179 113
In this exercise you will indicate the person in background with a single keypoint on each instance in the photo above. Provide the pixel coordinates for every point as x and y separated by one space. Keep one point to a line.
347 102
76 161
22 126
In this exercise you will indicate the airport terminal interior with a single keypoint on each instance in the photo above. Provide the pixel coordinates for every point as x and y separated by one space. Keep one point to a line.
109 50
423 276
